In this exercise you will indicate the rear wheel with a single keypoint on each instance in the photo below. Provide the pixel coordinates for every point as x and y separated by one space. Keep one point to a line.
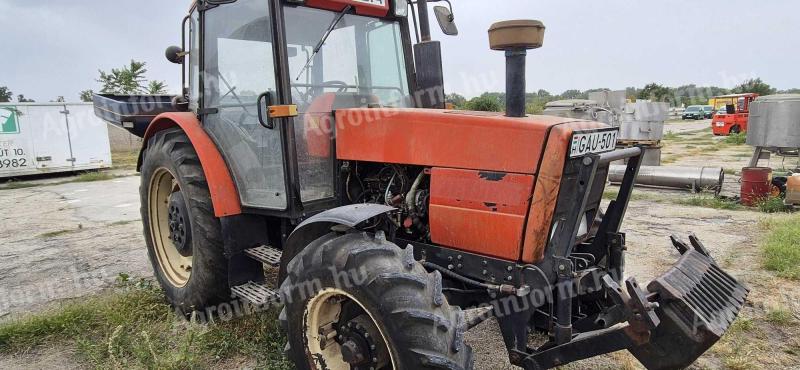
183 237
357 301
735 130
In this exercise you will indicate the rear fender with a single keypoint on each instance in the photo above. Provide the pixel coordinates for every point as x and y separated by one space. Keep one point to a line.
224 196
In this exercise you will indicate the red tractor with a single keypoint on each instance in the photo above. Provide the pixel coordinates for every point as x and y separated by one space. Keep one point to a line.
311 138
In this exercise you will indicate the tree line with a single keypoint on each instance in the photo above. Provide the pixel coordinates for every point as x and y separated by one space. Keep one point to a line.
685 95
129 79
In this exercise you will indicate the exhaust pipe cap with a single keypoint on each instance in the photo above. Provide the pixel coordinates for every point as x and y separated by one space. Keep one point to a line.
519 34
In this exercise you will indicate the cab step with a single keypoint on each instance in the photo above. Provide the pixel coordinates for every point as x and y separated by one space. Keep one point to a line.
265 254
256 294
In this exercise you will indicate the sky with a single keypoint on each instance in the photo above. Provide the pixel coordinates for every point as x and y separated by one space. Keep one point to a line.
55 48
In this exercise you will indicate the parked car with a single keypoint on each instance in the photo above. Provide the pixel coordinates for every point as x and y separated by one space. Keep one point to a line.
694 112
709 111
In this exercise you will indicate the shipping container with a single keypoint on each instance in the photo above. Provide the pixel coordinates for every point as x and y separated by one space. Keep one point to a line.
39 138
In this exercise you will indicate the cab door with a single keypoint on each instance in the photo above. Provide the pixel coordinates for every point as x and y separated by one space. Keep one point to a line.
239 67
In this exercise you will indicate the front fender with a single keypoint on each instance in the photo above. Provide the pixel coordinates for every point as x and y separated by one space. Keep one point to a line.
320 224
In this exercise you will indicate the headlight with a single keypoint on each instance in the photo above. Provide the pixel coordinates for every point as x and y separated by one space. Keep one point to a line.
401 8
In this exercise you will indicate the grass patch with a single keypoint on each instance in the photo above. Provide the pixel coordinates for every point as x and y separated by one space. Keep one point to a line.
781 247
83 177
773 205
671 136
736 139
710 202
126 160
730 171
133 327
93 176
18 185
780 317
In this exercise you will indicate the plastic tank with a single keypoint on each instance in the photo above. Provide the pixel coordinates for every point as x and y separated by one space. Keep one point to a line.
793 190
775 122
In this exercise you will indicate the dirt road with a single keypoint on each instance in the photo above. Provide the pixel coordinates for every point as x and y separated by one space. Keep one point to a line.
67 241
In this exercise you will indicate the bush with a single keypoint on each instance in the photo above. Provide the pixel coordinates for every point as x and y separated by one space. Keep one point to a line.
485 104
772 205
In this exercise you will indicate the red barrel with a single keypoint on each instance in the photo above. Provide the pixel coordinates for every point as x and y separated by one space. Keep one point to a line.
756 184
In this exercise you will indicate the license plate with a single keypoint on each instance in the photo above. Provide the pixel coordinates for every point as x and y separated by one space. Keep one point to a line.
593 143
720 124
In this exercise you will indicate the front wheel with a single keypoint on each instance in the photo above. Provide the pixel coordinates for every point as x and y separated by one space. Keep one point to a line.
357 301
184 239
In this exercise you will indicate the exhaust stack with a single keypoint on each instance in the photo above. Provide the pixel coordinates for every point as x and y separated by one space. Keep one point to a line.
516 38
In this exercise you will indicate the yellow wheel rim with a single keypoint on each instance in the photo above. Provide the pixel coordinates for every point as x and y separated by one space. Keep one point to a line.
176 268
322 312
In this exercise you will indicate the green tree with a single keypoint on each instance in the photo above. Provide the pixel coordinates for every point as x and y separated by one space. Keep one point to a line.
543 94
656 92
130 80
21 98
754 85
572 94
87 96
457 100
5 94
485 103
157 88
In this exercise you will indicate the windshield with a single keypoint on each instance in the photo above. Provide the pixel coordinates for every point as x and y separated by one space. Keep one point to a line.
361 57
693 108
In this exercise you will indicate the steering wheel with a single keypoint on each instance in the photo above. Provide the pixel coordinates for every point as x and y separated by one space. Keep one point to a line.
333 83
309 95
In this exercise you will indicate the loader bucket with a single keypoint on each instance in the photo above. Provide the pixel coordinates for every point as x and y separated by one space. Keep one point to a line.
698 302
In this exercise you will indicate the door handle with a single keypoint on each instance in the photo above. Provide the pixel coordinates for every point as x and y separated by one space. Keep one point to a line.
263 102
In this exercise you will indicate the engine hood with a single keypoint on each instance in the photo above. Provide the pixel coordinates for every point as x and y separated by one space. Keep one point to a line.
485 141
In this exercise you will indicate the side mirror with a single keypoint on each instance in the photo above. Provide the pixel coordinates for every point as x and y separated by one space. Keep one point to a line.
446 20
175 54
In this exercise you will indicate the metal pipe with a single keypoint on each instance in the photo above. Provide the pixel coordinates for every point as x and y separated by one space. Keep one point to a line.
424 20
515 82
692 178
619 155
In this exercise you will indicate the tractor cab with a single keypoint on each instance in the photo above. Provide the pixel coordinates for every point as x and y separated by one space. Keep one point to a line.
306 59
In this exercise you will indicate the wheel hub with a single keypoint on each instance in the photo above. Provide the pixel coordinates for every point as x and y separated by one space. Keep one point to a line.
179 227
357 339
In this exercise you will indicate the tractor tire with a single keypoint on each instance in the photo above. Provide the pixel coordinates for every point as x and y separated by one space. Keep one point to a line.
387 294
184 239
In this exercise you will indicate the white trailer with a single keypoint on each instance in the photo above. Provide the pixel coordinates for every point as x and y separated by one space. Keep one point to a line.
39 138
